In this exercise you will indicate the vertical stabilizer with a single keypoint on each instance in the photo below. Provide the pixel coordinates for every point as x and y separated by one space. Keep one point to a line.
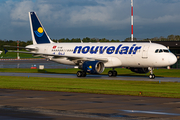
39 35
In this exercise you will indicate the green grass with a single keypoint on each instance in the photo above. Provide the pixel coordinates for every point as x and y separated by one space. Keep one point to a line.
167 73
121 71
97 86
10 55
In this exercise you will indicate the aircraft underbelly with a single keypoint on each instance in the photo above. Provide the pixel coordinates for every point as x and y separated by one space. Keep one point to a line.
63 61
113 62
135 62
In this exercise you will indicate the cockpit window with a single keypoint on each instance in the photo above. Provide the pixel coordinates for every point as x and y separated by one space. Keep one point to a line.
157 51
166 51
162 50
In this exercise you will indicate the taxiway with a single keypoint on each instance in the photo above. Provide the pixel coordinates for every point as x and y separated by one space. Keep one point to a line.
106 77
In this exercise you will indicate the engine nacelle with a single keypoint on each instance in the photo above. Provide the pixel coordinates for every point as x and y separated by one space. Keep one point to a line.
139 70
93 67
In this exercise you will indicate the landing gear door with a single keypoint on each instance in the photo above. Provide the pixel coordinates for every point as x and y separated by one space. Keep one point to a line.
145 52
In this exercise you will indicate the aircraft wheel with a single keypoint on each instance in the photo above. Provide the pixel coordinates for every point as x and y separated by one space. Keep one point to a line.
83 74
114 73
151 76
79 73
110 73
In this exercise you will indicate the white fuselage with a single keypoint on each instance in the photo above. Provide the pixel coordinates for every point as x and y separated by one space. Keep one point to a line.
118 54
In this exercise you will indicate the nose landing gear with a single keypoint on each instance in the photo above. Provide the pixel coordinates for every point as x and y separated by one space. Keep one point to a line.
151 76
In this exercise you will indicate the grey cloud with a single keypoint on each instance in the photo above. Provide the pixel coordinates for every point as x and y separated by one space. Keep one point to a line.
91 18
20 10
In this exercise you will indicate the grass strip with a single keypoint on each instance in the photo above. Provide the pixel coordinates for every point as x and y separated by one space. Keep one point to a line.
97 86
10 55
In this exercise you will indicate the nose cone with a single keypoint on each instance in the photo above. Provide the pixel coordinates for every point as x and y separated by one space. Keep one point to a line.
172 59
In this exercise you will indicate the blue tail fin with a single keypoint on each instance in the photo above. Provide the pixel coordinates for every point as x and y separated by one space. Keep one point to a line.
39 35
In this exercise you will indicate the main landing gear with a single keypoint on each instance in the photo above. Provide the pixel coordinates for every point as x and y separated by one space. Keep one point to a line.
151 76
81 74
112 73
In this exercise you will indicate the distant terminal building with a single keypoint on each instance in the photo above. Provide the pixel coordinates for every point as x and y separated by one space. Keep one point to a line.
173 46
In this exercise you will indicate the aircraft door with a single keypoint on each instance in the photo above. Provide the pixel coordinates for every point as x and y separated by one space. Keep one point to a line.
145 52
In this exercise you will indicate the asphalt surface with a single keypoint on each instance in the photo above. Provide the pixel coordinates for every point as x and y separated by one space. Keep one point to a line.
134 78
24 104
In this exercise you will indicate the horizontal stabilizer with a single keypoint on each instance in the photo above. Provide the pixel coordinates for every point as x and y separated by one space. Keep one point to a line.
5 50
8 46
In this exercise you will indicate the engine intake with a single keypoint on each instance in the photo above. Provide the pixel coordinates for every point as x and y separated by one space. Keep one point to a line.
93 67
139 70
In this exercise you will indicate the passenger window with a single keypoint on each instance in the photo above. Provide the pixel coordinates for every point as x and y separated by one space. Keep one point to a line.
157 51
160 51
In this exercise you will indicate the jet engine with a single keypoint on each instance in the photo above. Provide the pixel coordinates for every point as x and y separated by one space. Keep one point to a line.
93 67
139 70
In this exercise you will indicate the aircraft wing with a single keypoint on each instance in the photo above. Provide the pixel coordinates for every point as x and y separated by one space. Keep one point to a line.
65 56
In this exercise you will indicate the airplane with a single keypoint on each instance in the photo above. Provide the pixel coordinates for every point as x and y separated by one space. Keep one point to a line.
93 58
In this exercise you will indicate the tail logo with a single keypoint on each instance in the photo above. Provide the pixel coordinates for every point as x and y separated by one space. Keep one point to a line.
39 32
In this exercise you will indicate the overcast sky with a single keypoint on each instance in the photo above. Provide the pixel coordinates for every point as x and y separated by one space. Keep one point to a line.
90 18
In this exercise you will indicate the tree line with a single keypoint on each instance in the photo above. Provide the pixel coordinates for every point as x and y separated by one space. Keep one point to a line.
169 38
87 39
